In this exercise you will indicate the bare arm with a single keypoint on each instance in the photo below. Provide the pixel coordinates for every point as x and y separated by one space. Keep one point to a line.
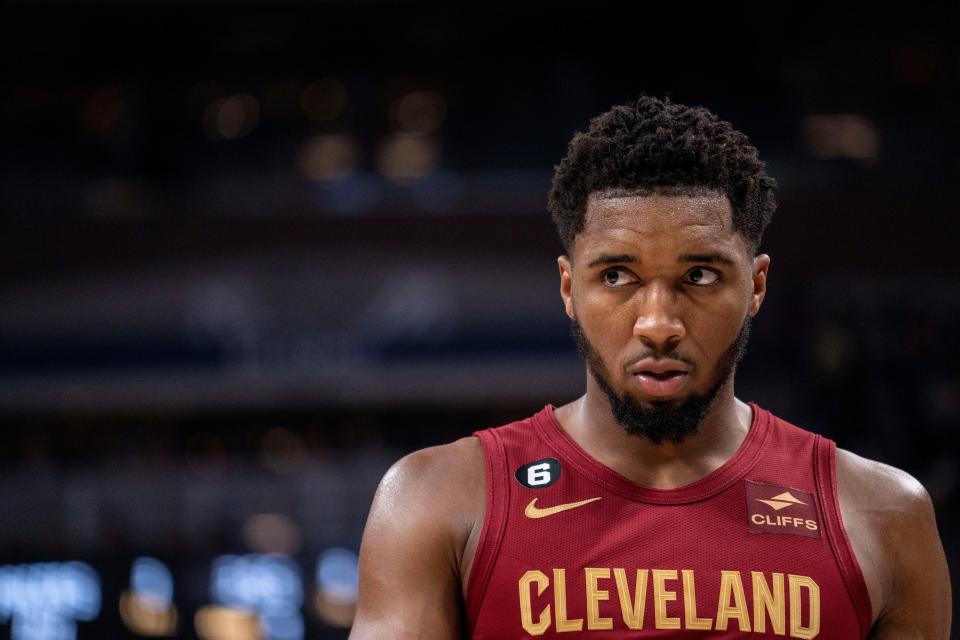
410 559
918 605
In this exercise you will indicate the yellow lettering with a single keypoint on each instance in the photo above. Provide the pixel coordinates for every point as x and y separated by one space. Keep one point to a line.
661 597
690 604
768 594
560 602
797 630
632 610
539 627
766 603
594 596
730 584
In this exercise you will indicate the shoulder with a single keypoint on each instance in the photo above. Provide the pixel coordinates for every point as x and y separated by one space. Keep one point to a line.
461 459
891 521
887 505
892 495
443 484
410 556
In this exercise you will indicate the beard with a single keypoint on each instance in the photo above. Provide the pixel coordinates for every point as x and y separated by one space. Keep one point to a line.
663 420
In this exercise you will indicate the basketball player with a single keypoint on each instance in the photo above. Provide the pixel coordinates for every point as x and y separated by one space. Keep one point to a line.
657 504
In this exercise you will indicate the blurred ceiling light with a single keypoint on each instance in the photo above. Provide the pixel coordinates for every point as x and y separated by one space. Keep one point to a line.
328 157
419 112
267 583
841 136
141 616
45 599
324 99
227 623
405 158
231 117
272 533
282 451
151 580
337 576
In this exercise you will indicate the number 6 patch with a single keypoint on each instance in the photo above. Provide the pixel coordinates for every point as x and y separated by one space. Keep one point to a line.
539 473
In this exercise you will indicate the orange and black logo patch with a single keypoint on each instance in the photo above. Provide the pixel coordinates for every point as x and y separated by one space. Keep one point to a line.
777 509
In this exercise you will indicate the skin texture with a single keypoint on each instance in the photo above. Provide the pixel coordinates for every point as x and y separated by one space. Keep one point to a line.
425 521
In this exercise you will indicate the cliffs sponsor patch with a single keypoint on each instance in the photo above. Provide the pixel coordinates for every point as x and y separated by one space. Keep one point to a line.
777 509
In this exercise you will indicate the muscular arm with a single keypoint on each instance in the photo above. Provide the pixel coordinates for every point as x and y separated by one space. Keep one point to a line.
410 559
916 600
919 605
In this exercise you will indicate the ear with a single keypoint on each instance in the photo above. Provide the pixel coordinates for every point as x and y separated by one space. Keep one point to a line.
566 284
761 265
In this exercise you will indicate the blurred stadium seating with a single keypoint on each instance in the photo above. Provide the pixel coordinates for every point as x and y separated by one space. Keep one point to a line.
252 254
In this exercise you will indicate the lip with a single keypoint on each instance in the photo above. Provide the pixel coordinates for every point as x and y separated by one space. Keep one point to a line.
648 377
661 387
658 366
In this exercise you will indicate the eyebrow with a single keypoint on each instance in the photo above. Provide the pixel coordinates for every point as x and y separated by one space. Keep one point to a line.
607 258
707 258
702 258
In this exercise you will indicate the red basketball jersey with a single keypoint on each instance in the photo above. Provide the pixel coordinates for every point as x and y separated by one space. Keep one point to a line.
756 549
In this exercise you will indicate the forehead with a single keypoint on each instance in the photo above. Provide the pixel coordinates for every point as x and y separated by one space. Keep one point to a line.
664 220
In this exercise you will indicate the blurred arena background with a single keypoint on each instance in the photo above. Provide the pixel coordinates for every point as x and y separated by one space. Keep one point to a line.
254 253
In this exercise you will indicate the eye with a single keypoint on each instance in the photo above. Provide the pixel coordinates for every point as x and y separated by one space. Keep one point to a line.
702 276
617 277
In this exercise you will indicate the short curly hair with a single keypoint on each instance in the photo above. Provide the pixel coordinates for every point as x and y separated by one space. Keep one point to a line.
656 146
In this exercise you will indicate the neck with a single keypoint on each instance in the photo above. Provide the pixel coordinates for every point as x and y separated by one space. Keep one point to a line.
590 422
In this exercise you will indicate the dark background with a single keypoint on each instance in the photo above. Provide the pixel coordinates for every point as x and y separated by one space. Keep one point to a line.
254 253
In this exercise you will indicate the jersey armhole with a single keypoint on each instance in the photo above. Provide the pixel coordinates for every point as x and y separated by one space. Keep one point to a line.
494 522
825 463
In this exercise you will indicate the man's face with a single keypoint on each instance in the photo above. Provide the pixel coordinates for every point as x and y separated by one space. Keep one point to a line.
660 292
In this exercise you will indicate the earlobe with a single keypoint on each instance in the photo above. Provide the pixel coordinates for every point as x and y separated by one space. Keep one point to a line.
566 284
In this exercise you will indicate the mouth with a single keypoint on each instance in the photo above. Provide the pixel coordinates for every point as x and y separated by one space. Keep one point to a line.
660 383
662 375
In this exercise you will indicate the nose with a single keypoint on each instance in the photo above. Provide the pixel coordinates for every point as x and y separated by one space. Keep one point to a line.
659 324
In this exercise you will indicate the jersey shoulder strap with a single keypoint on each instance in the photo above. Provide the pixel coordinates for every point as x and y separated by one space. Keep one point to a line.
496 473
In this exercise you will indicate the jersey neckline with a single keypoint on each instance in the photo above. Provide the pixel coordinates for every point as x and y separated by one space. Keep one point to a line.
716 481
